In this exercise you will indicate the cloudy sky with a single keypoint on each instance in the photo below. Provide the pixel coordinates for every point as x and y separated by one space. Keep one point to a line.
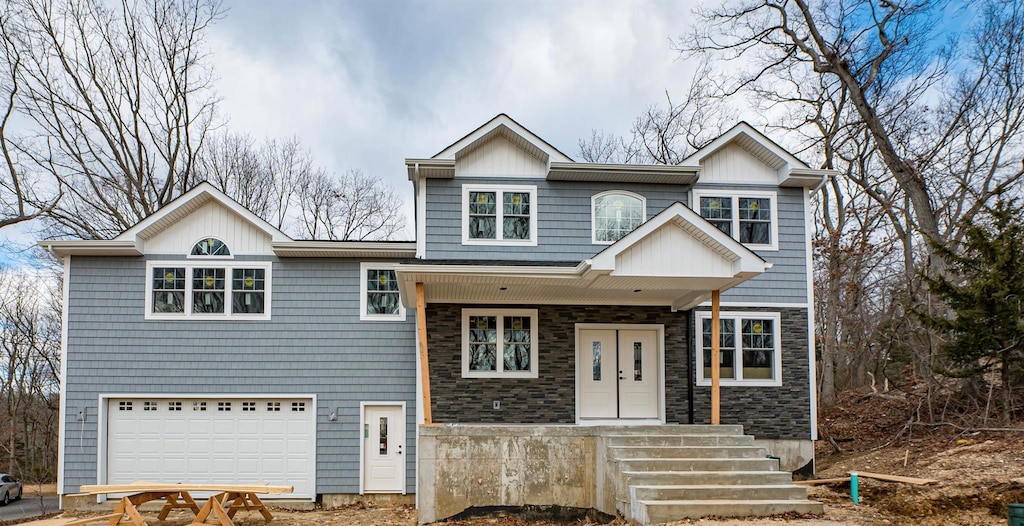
365 84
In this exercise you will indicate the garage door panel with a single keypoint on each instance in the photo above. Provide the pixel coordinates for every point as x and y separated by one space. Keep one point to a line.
230 442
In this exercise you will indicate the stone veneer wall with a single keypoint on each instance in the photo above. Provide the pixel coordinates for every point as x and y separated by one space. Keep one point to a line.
551 397
770 412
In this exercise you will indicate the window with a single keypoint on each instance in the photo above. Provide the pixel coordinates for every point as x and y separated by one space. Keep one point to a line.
223 406
174 406
379 299
615 214
498 343
203 290
248 406
750 348
210 247
273 406
499 215
298 406
748 217
124 406
149 406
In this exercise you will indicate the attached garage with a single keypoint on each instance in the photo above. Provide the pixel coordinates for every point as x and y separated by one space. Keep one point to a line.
226 440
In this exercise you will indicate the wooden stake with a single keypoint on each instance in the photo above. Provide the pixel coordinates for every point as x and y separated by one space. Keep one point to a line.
716 370
421 330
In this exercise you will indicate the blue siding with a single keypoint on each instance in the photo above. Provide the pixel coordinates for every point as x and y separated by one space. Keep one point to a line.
563 218
314 344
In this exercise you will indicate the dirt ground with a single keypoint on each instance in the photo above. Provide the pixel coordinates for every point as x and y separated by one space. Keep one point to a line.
978 474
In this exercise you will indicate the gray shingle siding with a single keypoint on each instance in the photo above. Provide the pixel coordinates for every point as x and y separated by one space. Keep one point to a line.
314 344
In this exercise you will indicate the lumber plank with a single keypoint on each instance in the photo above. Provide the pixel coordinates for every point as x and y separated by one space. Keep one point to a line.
815 482
98 518
261 507
895 478
152 487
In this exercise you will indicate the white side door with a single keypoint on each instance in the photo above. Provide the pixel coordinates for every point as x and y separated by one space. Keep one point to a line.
638 374
383 449
598 374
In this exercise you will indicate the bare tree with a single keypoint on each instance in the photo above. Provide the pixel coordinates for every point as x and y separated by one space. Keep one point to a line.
355 206
119 100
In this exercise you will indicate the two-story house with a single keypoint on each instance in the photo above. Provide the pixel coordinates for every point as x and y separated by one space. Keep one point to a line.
546 309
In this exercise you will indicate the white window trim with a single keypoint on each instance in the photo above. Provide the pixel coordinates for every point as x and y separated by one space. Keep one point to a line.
188 265
498 189
499 373
229 256
593 210
363 292
775 381
773 199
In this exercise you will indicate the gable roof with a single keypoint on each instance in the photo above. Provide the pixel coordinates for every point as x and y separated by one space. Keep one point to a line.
189 202
507 127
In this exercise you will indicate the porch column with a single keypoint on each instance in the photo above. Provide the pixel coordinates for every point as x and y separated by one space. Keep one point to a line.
421 333
716 371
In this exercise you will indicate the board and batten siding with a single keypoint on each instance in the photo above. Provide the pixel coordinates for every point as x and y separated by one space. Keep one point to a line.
314 344
563 220
210 220
500 157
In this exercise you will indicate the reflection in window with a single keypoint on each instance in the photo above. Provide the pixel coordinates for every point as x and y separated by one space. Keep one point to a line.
616 215
718 212
516 337
208 290
755 220
597 361
638 364
381 292
168 289
726 347
516 215
758 348
483 215
247 290
383 435
483 343
210 247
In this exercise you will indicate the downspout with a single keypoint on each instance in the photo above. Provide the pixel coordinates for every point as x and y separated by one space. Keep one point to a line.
690 372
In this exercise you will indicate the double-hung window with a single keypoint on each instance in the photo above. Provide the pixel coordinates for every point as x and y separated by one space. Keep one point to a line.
748 217
750 345
379 299
208 285
499 343
615 214
499 215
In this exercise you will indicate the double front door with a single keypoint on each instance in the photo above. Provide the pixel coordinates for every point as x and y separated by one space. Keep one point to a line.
619 374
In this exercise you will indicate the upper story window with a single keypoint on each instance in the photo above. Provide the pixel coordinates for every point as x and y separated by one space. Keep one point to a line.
616 214
210 247
379 298
750 345
499 215
499 343
748 217
201 290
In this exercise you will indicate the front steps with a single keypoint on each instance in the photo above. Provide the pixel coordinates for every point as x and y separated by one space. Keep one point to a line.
667 473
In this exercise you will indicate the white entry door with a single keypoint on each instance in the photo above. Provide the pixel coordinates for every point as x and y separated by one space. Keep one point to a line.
619 374
383 449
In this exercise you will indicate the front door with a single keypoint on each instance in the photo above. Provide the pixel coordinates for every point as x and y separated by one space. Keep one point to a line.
619 373
383 449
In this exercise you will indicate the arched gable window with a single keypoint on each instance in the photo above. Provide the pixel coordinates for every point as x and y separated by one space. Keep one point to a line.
210 247
615 214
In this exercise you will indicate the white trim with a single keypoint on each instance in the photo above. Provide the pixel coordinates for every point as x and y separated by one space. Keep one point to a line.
62 417
742 128
421 215
498 190
101 423
812 372
735 195
498 121
660 329
228 266
362 442
499 365
775 381
363 315
593 210
230 255
767 303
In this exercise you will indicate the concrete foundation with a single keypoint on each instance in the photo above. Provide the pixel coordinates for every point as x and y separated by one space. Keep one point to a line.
339 500
795 456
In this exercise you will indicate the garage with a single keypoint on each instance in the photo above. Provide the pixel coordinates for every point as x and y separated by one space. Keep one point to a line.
213 440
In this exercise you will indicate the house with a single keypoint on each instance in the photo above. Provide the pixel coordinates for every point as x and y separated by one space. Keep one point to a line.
546 310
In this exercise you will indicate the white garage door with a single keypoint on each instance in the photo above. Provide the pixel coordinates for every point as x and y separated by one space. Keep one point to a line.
225 441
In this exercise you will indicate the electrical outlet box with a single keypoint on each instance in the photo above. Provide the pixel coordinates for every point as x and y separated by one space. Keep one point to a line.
497 405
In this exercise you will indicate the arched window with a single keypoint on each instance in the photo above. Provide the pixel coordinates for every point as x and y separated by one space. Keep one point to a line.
616 214
210 247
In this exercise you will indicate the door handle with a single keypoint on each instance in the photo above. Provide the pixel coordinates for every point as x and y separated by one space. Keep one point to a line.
399 452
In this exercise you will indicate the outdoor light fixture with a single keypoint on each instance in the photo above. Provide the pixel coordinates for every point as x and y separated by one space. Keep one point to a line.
333 417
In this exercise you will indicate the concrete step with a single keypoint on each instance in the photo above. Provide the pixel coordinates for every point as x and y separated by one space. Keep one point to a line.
699 464
700 478
709 492
679 440
626 452
658 512
671 429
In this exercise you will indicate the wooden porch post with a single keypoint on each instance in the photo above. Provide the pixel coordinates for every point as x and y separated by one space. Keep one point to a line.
421 332
716 370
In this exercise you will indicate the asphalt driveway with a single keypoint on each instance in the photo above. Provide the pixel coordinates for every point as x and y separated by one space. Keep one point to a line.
28 507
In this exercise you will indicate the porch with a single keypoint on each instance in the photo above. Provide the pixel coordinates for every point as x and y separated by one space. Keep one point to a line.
648 474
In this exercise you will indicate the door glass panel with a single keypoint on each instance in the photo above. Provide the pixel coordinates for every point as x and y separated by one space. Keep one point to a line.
638 365
383 435
597 361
